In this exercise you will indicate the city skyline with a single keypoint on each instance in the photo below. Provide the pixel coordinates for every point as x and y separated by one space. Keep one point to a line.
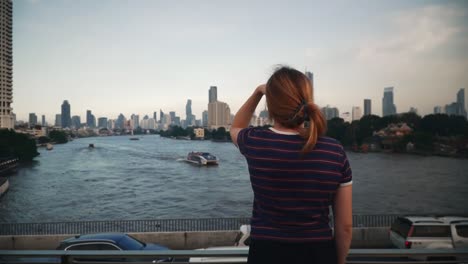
84 53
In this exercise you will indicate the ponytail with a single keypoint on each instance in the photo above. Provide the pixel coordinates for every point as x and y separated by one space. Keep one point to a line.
316 127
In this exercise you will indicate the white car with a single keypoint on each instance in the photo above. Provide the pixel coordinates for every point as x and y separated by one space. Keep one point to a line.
415 232
242 242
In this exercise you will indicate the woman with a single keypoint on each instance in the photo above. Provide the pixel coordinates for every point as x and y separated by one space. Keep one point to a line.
296 175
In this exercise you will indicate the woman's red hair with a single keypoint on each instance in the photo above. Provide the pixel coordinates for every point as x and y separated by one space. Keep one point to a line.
289 95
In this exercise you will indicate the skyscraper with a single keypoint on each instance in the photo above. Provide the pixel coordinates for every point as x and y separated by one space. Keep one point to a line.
135 121
367 107
188 113
330 112
102 122
205 118
58 120
219 115
155 116
388 107
310 76
90 119
66 117
461 102
213 94
76 122
120 122
356 113
43 123
6 64
438 110
32 119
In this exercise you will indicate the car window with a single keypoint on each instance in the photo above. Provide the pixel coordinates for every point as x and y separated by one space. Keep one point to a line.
84 247
107 247
129 243
462 230
401 227
431 231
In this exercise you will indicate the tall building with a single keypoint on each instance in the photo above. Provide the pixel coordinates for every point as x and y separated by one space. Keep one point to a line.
58 120
135 121
310 76
155 116
219 115
102 122
438 110
367 107
6 64
213 94
43 123
356 113
66 117
461 102
451 109
330 112
32 119
388 106
205 118
189 118
120 122
76 122
90 119
161 115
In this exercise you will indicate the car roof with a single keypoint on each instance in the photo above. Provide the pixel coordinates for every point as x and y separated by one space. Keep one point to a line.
424 220
115 237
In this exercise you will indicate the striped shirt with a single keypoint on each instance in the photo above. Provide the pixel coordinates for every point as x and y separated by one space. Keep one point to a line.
292 191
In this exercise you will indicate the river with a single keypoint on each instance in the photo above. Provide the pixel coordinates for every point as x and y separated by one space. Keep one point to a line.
125 179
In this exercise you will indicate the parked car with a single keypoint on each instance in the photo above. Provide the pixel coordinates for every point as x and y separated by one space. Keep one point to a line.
414 232
110 241
242 241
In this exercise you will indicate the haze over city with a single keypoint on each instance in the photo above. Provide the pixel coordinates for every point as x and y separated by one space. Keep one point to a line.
141 56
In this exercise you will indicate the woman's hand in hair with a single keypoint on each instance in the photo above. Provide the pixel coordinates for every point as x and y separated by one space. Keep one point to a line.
261 89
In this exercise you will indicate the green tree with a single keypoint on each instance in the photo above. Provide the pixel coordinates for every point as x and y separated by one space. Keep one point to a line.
18 145
59 137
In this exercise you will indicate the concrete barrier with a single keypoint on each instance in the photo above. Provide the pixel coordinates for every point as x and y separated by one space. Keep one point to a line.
362 238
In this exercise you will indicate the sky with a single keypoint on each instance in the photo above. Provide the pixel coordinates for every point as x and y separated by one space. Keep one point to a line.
114 56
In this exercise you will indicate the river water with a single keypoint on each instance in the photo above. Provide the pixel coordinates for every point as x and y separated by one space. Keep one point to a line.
124 179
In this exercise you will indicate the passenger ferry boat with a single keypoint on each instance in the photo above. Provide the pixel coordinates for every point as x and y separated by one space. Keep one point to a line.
4 184
201 158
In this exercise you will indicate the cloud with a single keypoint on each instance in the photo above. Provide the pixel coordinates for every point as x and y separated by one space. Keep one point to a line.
414 32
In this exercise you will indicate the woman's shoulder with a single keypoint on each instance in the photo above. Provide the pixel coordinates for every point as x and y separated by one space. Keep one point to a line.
329 141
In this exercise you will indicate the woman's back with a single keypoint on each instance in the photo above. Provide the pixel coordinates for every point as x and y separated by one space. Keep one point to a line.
292 190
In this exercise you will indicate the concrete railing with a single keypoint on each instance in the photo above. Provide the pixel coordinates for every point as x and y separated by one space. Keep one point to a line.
362 238
223 256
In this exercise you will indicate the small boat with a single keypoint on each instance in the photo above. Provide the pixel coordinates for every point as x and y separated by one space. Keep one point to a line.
202 158
91 145
49 146
4 184
134 138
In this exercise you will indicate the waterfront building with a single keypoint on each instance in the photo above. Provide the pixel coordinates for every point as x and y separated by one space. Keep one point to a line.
102 122
111 124
135 121
7 119
461 102
32 119
356 113
219 115
388 105
213 94
43 123
205 118
199 133
310 76
66 117
58 120
438 110
189 117
120 122
330 112
413 110
451 109
367 107
76 122
90 119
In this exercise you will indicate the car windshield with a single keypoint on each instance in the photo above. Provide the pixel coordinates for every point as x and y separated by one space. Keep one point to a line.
130 243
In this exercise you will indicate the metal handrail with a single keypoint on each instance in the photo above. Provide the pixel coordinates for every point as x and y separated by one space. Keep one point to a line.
182 256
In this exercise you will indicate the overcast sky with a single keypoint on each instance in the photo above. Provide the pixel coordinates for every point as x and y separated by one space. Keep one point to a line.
141 56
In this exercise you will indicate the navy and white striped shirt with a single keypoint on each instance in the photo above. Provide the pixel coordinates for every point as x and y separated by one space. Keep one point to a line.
292 191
